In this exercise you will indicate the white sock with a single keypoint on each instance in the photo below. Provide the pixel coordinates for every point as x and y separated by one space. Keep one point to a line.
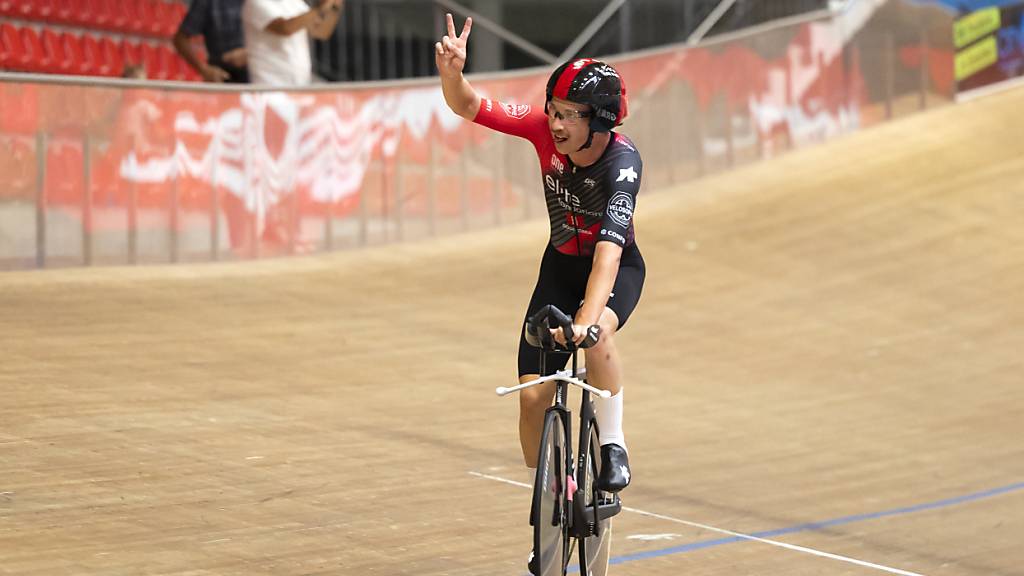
609 419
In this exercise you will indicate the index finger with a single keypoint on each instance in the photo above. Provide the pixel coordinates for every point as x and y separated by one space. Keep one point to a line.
466 28
451 25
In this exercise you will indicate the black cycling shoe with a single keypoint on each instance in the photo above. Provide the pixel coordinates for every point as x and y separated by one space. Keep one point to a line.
614 474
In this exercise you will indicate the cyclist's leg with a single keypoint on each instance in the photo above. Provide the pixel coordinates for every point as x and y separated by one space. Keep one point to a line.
534 401
552 288
604 370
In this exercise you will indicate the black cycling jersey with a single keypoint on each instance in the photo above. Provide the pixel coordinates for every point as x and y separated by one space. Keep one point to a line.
586 204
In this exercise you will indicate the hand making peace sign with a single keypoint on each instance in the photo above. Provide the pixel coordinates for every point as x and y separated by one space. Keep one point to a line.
450 52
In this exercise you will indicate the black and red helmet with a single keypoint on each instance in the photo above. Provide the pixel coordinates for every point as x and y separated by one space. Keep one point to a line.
591 82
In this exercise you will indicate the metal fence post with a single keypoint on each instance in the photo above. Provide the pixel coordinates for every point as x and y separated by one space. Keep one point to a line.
789 104
214 203
432 191
87 199
133 216
890 62
464 186
41 148
172 212
398 174
924 71
362 212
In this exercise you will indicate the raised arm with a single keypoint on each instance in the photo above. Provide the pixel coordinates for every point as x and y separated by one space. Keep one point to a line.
307 20
450 57
330 12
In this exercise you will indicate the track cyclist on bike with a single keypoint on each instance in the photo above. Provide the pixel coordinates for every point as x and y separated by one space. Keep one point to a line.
591 265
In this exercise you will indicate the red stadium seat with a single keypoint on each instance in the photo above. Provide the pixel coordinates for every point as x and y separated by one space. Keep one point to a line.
150 13
110 55
131 53
175 14
73 51
178 67
24 9
159 62
54 49
119 18
159 13
136 24
13 49
35 59
152 61
64 11
93 14
9 44
45 10
7 8
91 53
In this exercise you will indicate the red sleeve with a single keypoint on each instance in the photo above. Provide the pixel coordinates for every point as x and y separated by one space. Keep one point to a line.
515 119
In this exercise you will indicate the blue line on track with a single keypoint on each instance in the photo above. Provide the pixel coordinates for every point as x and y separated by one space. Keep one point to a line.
817 525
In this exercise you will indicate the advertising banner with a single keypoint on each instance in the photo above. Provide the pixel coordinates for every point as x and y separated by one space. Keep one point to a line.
989 43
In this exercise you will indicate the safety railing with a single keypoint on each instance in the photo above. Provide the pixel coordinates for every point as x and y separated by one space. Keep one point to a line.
114 172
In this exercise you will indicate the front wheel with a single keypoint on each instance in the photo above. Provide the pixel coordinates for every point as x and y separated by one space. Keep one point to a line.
596 533
550 514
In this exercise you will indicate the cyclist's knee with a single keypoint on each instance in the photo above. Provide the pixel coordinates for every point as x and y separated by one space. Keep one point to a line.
609 323
607 339
534 401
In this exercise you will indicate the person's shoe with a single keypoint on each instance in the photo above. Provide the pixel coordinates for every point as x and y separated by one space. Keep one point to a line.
614 474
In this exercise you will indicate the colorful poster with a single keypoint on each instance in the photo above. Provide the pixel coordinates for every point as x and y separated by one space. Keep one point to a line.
990 45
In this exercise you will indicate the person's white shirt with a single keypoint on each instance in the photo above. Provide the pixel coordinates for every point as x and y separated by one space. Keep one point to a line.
275 59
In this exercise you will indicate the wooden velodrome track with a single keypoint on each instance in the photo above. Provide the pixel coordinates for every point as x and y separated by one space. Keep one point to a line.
828 356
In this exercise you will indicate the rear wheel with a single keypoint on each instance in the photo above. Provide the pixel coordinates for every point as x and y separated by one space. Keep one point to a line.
550 530
595 545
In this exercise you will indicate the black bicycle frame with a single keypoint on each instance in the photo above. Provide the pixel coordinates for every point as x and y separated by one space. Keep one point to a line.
579 517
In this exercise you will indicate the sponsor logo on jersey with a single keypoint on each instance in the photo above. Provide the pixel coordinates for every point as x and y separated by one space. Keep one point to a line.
613 234
567 200
576 230
557 164
564 196
620 208
590 182
627 174
517 111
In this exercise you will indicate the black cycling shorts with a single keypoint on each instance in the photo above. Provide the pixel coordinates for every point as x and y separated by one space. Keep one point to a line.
563 282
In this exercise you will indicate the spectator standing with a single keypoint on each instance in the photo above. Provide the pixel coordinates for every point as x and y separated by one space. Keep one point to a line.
277 38
219 22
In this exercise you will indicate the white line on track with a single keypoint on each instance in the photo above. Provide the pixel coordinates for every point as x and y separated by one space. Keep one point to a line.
500 479
793 547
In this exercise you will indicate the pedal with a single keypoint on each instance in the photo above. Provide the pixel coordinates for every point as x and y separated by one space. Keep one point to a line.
608 507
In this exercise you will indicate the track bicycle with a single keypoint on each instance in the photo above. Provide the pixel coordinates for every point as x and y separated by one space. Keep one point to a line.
568 508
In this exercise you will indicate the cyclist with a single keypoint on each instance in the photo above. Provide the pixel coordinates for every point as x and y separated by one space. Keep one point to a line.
591 265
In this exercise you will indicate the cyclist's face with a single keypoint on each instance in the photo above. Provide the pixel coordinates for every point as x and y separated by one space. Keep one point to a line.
569 123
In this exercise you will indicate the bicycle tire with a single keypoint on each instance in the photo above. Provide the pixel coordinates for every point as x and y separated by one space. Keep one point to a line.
550 512
595 543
